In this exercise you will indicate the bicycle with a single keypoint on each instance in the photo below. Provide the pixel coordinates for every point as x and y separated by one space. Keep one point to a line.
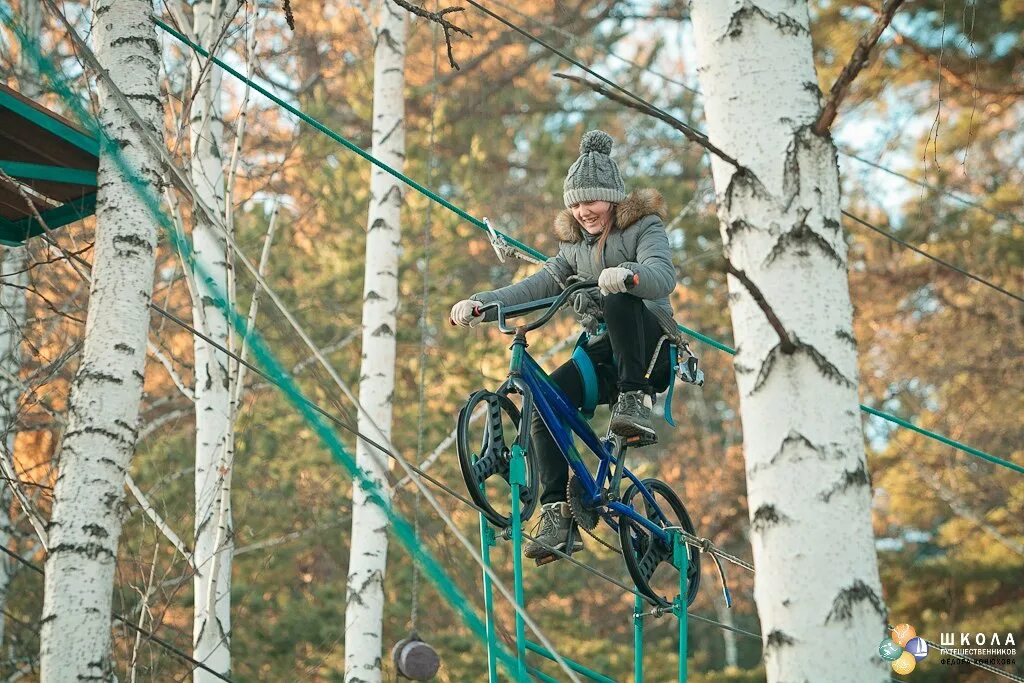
645 537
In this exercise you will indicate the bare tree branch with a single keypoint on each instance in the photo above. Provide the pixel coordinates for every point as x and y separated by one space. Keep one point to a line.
786 344
155 351
288 16
686 130
438 18
963 510
951 74
858 60
151 512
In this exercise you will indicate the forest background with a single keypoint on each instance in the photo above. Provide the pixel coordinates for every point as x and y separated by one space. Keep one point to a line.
939 104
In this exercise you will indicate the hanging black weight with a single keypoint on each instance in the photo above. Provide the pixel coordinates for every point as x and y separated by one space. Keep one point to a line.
414 659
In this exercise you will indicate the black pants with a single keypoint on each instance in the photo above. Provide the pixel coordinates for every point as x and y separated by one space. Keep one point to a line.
620 358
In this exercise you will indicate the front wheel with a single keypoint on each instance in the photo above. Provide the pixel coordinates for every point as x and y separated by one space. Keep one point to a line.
648 558
488 427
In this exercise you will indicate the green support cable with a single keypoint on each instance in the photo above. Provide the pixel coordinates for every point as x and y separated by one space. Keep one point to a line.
486 543
541 676
943 439
430 194
681 560
262 353
886 416
575 666
638 639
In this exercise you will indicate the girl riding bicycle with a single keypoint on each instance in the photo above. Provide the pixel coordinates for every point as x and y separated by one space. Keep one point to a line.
607 236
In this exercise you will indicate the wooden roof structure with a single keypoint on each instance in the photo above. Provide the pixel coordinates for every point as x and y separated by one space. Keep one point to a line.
51 160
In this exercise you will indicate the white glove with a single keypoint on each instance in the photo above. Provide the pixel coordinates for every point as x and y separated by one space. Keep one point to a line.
462 313
613 280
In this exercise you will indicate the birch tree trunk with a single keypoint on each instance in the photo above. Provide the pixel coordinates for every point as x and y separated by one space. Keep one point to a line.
817 587
214 534
731 656
368 553
103 408
12 321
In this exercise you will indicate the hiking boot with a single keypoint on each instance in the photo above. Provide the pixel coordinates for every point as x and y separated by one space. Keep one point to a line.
554 532
631 418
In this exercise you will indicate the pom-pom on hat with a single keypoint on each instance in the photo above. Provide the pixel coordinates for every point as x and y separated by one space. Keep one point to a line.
594 176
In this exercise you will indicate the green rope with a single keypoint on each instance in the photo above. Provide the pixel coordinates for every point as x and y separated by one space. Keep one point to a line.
263 354
886 416
430 194
943 439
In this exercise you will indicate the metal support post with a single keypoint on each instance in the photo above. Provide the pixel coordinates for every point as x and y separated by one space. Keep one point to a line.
638 639
486 542
517 478
681 559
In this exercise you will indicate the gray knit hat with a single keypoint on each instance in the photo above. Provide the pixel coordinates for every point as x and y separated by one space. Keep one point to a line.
594 176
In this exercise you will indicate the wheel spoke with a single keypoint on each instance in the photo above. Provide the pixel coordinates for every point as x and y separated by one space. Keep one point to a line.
495 429
525 495
489 465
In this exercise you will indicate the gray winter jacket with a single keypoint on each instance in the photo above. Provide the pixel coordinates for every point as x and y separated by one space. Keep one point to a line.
638 242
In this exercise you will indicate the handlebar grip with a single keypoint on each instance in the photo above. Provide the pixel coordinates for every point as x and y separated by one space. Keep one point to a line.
476 314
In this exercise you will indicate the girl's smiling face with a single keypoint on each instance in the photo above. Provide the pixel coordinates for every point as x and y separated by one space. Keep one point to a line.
595 217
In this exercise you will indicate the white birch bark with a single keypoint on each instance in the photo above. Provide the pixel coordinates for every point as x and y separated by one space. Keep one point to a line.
817 587
103 409
731 657
368 553
214 534
12 321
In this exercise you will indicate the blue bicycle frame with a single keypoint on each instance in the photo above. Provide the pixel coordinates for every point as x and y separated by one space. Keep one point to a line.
563 420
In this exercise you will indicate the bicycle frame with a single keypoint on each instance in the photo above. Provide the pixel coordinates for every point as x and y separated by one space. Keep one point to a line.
563 420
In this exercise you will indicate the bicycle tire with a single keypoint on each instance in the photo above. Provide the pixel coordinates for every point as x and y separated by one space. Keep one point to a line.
643 553
498 449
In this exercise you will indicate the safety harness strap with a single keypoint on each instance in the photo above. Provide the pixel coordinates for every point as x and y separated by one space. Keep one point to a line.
588 374
673 357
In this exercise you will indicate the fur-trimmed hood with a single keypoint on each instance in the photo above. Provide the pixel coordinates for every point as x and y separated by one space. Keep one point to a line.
636 205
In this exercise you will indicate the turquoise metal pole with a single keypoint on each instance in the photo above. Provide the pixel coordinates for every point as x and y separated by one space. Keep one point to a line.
681 561
486 542
517 478
638 639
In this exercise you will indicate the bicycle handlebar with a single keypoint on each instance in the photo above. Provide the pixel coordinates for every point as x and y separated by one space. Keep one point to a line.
496 310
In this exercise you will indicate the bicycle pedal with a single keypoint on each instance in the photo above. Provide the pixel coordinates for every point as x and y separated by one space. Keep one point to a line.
547 559
640 440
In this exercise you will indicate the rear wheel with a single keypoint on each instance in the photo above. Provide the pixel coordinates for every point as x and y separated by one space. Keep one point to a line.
488 427
648 558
